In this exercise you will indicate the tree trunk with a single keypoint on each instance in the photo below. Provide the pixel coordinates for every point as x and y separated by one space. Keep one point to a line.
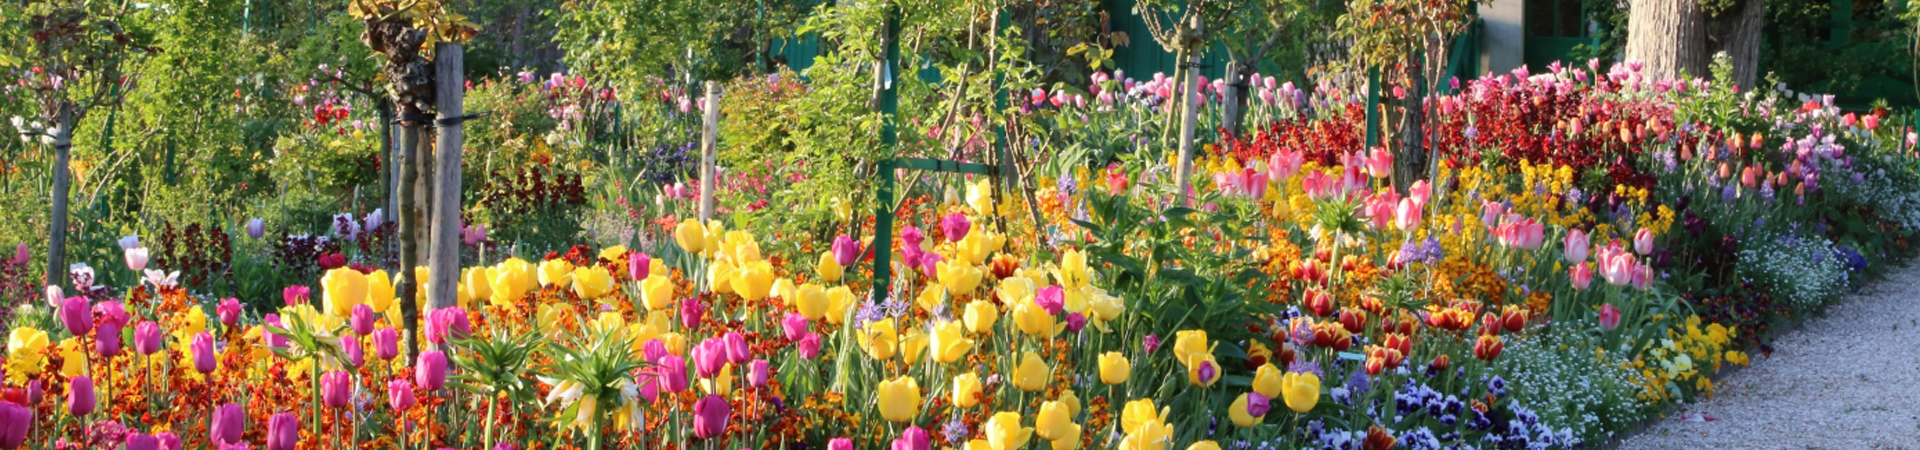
444 265
409 229
62 183
1235 100
1668 36
1738 33
709 136
389 171
1189 96
1412 155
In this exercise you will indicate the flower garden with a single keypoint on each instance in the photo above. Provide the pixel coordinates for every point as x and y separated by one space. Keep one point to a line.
1577 251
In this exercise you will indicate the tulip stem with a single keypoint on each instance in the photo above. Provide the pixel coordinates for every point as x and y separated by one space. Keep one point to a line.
493 408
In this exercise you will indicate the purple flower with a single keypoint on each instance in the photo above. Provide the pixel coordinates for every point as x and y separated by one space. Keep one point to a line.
1207 371
1151 342
1258 405
956 226
1076 322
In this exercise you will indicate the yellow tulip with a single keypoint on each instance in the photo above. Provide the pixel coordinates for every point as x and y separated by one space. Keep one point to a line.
690 235
913 343
617 254
345 288
966 390
842 209
785 288
754 280
1190 343
974 248
1152 435
981 315
1055 421
608 321
958 277
1015 290
1200 363
657 268
1068 443
1106 307
590 283
1005 433
899 399
720 276
556 272
1032 374
1072 402
511 280
1240 416
980 196
657 292
811 300
880 339
478 283
721 384
950 342
73 361
675 343
1072 271
26 340
549 315
932 298
1302 391
1138 413
1266 381
1035 321
715 232
1114 368
379 290
841 298
829 268
1204 445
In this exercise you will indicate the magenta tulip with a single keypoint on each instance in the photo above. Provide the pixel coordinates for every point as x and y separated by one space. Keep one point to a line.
229 311
447 323
274 340
229 422
690 312
76 316
111 312
400 395
673 373
386 343
295 294
955 226
1052 298
202 347
913 439
845 250
810 346
653 350
106 341
737 350
710 416
430 371
15 420
36 391
840 444
80 400
795 324
356 355
757 374
709 357
283 431
335 389
21 256
139 441
362 319
168 441
639 266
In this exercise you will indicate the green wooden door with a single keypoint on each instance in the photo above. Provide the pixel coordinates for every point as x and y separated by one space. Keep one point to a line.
1553 28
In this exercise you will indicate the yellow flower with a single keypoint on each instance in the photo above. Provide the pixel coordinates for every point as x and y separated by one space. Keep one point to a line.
721 384
842 209
1005 433
1114 368
1067 443
1190 343
476 281
657 292
1266 381
714 232
1055 421
345 288
690 235
981 315
1139 412
754 280
1035 320
1016 290
1032 374
1204 445
617 254
511 280
913 343
720 276
966 390
931 298
379 290
1145 429
958 277
591 283
1072 272
1195 366
899 399
811 300
785 288
73 361
950 342
549 315
740 246
675 343
974 248
829 268
26 340
1239 414
1302 390
980 195
840 302
556 272
880 339
1072 402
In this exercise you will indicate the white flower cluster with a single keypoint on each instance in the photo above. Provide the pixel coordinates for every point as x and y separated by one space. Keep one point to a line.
1558 375
1802 269
1878 190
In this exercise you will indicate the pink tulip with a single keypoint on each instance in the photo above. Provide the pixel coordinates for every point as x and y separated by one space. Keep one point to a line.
139 441
229 311
55 296
283 431
80 398
639 266
653 350
795 324
400 395
111 312
1618 269
229 422
1380 162
296 294
35 392
709 357
362 320
202 347
846 249
1420 192
1609 317
1581 275
1575 246
137 258
1643 241
757 373
356 355
1052 298
430 370
335 388
446 324
710 416
1407 216
913 439
737 350
810 346
147 338
955 226
386 343
274 340
1643 276
15 420
1871 122
256 228
691 310
76 316
106 341
1282 165
1849 120
1490 213
21 256
673 373
840 444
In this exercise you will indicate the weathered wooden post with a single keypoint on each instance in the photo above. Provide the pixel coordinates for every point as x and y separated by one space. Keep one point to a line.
444 266
709 136
1191 99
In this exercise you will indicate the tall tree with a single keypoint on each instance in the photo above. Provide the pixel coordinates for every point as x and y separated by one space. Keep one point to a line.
1680 37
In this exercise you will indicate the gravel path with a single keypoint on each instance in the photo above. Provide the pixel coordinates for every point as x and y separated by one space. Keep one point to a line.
1847 380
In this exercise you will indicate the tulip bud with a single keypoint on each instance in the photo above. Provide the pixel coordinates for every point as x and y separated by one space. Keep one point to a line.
386 343
795 325
107 340
430 370
229 311
283 432
202 348
362 320
335 387
400 395
758 373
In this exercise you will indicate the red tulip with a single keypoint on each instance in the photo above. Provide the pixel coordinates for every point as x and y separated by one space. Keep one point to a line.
1515 318
1487 347
1354 320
